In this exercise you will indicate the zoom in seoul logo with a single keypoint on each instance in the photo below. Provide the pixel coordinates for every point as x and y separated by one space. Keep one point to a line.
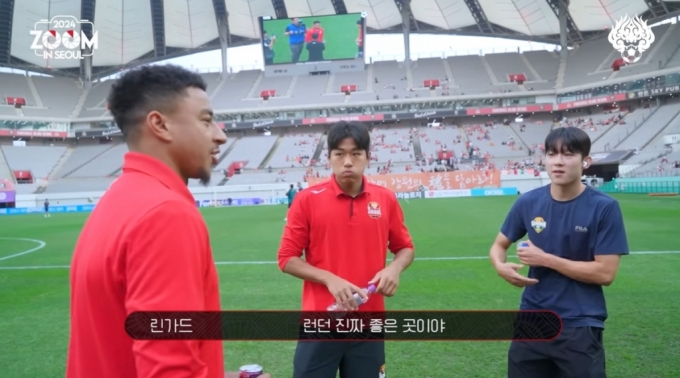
62 38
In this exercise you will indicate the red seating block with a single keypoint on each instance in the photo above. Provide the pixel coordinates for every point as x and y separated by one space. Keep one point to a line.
431 83
519 78
15 101
348 88
268 93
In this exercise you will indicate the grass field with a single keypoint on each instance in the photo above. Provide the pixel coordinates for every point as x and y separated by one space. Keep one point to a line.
340 33
641 337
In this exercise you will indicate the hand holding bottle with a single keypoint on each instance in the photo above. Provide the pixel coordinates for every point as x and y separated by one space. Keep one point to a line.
344 292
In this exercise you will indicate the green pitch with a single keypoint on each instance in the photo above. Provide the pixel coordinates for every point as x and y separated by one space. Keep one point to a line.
340 34
641 336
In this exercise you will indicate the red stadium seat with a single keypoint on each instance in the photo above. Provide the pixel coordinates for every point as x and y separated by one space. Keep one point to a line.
518 78
431 83
618 63
348 88
23 177
268 93
444 155
15 101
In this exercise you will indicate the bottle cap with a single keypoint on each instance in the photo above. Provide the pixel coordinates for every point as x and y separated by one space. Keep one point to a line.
371 288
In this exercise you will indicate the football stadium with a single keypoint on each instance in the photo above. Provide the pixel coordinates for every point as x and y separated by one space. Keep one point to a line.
457 137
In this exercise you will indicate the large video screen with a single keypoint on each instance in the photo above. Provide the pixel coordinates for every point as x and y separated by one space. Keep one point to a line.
303 40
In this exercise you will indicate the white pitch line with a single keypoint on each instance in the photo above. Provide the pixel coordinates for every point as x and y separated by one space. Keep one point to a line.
41 244
274 262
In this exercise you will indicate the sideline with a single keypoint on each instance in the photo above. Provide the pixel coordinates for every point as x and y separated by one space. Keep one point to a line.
41 244
274 262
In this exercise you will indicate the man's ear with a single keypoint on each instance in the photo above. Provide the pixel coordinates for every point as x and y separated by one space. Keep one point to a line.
156 123
587 162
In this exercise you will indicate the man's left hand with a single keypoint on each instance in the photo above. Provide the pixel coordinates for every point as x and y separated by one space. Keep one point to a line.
532 255
388 281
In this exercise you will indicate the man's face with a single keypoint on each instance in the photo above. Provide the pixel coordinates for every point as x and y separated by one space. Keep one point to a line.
317 26
564 167
296 21
195 136
348 162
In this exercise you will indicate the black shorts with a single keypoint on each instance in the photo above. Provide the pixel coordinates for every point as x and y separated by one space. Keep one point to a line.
576 353
354 359
47 209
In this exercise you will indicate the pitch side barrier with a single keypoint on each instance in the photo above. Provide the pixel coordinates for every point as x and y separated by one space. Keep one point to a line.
230 202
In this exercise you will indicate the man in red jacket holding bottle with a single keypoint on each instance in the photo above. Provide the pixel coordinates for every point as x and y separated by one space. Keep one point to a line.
345 227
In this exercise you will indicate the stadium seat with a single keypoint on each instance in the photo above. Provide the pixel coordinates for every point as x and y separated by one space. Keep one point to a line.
348 88
268 93
617 64
517 78
431 83
15 101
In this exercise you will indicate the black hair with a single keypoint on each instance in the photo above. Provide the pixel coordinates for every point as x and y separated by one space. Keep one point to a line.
343 130
568 139
148 88
317 22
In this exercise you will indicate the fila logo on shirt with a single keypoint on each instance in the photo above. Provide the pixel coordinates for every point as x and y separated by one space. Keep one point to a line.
538 224
374 210
581 229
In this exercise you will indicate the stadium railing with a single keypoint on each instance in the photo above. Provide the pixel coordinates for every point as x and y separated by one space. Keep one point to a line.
643 186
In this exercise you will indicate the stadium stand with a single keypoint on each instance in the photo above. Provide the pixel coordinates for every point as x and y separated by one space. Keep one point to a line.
292 154
294 150
252 149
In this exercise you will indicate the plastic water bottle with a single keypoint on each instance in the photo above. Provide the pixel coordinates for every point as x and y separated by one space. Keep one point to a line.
369 290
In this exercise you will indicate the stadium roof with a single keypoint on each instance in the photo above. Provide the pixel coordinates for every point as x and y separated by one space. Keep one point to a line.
132 32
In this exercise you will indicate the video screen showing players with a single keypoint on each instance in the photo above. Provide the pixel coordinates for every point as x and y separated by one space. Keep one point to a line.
301 40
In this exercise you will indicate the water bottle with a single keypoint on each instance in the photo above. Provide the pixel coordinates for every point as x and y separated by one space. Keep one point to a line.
369 290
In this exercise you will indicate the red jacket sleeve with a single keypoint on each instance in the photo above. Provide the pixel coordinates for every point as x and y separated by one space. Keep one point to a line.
399 237
295 237
165 271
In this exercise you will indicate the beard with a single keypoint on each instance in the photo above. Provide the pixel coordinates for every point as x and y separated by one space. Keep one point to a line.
204 177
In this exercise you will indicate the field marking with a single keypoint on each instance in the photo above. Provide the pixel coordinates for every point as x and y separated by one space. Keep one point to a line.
41 244
275 262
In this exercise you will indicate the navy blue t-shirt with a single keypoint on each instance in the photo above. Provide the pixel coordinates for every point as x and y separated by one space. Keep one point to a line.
588 225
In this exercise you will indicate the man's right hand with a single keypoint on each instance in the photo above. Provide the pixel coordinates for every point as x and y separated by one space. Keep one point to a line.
509 272
343 292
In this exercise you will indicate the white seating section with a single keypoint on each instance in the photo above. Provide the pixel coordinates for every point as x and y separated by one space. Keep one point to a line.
295 150
40 160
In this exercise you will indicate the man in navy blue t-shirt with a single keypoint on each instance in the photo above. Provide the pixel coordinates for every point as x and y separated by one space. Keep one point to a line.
576 236
296 38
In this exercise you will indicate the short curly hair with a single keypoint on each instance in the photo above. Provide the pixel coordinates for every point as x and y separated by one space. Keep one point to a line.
148 88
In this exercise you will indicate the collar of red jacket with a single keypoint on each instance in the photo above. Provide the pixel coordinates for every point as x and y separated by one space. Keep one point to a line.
149 165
